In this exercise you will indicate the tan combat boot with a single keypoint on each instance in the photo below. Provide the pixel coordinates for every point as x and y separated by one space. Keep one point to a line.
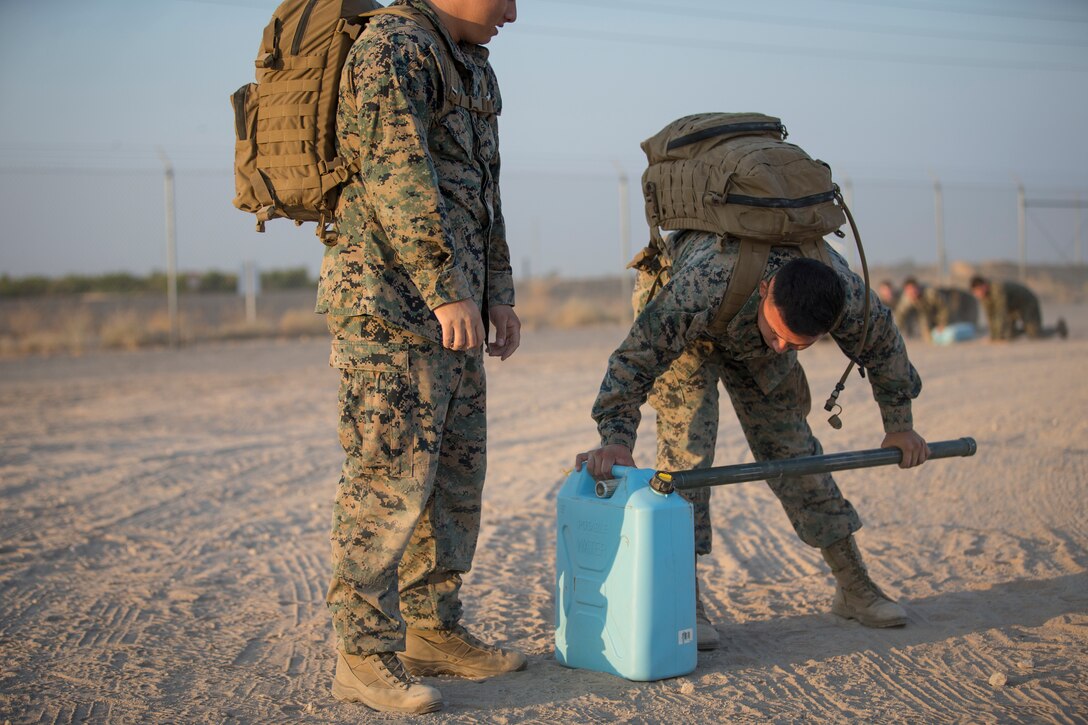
706 637
380 682
856 596
456 652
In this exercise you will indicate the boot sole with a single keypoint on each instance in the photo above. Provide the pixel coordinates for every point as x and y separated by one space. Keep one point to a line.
867 622
344 693
707 644
435 669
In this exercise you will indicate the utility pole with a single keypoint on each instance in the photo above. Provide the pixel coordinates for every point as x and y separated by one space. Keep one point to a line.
171 249
1080 231
625 243
848 197
250 282
1021 222
938 201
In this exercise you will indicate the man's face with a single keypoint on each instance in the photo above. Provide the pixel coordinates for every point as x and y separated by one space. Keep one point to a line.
911 292
772 326
886 293
480 20
979 291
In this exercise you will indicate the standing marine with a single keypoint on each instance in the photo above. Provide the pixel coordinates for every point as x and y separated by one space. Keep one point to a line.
420 266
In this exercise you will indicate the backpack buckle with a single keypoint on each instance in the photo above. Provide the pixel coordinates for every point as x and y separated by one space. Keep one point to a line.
267 60
350 26
264 214
326 231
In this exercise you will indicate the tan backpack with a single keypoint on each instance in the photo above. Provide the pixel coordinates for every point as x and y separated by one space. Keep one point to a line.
734 175
285 157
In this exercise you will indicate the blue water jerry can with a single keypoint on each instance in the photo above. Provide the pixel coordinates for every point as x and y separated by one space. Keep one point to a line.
624 577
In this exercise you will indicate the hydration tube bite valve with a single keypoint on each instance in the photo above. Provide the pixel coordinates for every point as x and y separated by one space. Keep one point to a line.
833 402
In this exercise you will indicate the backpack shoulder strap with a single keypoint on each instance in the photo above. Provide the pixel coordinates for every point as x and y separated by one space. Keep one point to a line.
451 78
747 272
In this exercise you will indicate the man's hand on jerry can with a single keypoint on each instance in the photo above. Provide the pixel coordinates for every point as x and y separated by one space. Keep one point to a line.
462 326
599 461
507 331
915 450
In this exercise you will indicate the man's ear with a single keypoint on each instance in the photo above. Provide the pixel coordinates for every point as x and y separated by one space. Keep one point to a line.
763 287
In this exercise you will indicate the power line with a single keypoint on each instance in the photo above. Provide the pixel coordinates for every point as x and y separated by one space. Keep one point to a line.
645 41
931 7
822 23
990 12
269 5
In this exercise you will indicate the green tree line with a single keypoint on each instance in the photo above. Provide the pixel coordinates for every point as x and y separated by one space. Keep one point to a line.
125 283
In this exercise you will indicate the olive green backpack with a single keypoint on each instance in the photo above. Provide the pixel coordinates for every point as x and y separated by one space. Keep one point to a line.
735 175
285 158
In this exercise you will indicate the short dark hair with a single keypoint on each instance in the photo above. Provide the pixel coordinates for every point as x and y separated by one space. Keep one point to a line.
810 296
911 282
978 281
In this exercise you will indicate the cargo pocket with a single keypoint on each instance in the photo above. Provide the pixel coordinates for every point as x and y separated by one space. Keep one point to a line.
458 127
378 405
771 370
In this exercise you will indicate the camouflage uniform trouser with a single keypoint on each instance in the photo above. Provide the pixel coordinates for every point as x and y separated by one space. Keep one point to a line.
775 425
685 398
413 426
1027 320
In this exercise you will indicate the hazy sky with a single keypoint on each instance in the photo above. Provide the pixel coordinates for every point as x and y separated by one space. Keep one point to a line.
893 94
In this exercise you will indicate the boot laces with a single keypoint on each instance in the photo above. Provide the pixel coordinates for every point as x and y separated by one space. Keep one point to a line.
473 640
392 670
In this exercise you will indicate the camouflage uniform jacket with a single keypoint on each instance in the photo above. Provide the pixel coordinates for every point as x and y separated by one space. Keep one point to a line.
422 224
679 314
938 307
1004 302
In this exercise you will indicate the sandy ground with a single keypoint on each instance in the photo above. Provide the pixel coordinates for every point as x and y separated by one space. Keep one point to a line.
164 553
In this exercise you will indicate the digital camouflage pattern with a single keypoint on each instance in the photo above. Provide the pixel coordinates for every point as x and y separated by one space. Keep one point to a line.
422 224
937 307
418 229
685 399
413 425
1012 309
769 391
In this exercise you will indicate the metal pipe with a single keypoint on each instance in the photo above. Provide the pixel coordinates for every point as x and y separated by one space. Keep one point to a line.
807 465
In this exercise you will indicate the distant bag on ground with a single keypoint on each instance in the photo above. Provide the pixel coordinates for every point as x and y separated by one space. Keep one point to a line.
953 333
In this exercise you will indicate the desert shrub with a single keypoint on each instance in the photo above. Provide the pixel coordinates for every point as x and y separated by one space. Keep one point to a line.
123 330
243 330
281 279
579 313
301 323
